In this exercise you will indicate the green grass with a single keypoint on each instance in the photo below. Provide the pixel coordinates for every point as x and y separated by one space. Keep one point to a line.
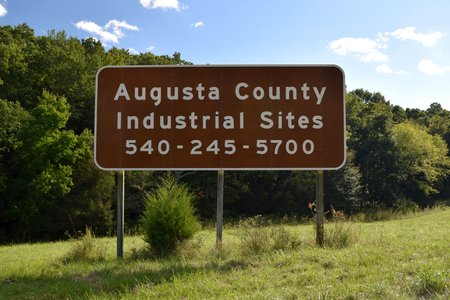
401 259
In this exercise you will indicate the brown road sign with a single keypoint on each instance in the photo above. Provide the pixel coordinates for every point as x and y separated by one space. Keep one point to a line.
220 117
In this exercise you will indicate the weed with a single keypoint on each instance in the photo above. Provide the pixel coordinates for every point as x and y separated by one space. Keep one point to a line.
373 216
404 209
431 283
257 237
284 239
191 248
187 249
339 233
144 252
86 248
220 253
254 237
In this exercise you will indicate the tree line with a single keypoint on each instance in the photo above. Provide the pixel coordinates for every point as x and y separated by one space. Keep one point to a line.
50 187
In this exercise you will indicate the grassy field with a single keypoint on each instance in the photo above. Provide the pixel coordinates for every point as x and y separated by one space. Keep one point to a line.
401 259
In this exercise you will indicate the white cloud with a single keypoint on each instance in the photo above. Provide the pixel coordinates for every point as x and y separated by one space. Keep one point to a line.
366 49
198 24
3 11
374 56
104 33
438 53
409 33
428 67
385 69
382 38
117 27
133 51
163 4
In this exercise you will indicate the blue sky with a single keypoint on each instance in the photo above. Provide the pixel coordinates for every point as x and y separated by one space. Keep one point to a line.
397 47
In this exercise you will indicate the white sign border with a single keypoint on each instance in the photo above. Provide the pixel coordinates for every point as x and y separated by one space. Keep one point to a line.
223 66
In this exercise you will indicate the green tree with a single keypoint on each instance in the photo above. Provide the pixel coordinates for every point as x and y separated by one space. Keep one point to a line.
42 168
64 66
423 158
344 187
370 123
439 122
91 200
18 47
137 185
12 119
67 69
47 178
369 97
417 116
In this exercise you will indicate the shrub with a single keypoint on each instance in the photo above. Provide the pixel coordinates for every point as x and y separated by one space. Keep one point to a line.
169 217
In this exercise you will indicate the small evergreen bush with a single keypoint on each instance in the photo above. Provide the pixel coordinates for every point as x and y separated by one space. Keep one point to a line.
169 218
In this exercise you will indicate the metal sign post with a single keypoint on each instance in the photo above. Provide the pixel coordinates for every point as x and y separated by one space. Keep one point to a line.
319 209
219 224
120 211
